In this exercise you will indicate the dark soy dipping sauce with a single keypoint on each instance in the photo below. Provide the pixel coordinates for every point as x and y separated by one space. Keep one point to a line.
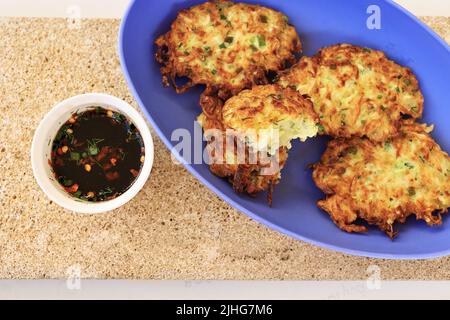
97 154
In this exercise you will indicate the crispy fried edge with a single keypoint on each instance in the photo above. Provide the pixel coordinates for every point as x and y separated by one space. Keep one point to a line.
260 76
343 215
212 110
317 60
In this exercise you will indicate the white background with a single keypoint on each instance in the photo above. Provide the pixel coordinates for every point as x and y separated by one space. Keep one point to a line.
116 8
236 290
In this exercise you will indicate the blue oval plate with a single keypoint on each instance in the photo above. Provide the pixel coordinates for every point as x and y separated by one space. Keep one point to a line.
320 23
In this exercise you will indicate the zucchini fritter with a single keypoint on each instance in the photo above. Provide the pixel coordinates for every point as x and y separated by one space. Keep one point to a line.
270 107
384 183
356 91
264 120
226 46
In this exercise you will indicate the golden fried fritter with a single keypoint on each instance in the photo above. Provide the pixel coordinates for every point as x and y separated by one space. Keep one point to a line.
264 120
248 177
356 91
270 108
384 183
226 46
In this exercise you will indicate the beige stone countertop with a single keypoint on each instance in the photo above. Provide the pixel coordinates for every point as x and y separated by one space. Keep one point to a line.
175 228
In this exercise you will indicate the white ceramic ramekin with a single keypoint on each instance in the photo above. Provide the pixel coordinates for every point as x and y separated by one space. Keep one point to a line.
42 143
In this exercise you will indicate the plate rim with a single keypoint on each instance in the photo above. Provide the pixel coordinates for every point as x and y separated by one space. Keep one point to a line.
237 206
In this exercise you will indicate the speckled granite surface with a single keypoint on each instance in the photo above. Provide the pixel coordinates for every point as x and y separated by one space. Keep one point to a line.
175 228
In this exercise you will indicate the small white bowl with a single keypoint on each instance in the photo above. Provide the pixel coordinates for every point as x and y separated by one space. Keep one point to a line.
46 132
